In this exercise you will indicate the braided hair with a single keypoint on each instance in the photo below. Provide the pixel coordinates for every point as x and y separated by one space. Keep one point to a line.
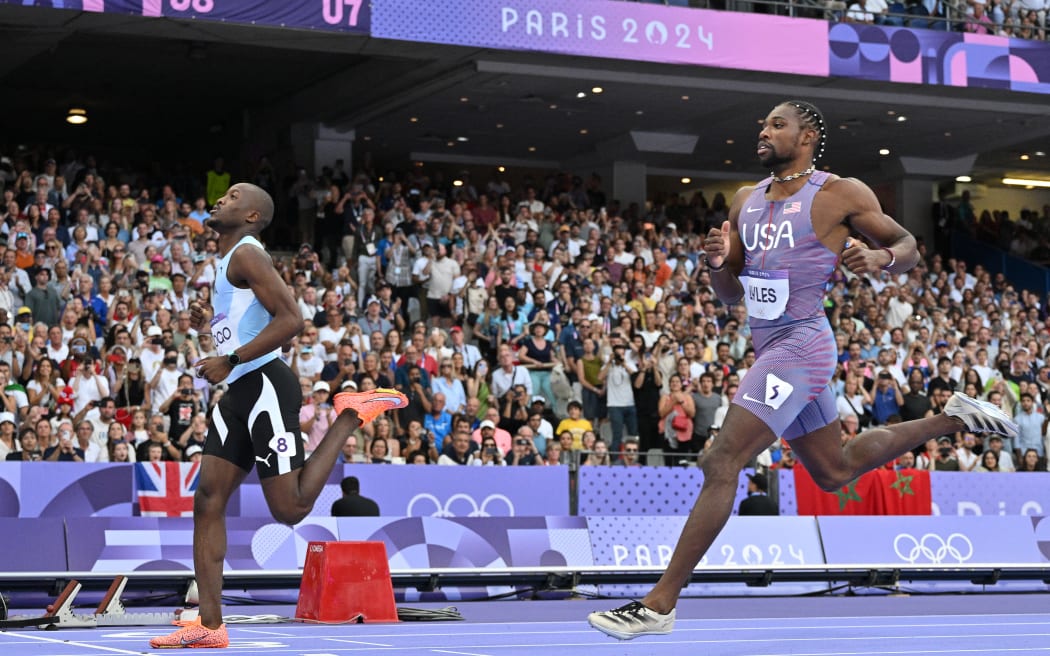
811 116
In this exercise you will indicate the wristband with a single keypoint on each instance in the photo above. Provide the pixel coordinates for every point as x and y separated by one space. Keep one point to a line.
893 259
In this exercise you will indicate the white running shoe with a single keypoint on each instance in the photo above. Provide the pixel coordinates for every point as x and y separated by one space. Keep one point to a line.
980 416
631 621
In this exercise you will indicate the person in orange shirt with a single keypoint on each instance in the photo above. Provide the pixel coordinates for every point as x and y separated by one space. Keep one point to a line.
24 258
661 268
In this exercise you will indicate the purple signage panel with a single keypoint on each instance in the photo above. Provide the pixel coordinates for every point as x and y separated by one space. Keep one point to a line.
644 490
335 15
955 493
910 540
615 30
65 489
440 491
33 545
944 540
745 541
895 54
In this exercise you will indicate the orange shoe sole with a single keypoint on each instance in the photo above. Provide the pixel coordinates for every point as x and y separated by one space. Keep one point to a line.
369 405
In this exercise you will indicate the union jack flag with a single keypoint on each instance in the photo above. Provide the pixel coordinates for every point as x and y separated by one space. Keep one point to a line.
165 489
793 208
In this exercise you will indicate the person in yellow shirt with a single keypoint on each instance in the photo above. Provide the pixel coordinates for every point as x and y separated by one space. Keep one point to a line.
574 424
218 181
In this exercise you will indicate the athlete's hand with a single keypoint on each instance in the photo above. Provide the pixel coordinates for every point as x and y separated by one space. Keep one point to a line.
716 245
200 316
214 369
860 259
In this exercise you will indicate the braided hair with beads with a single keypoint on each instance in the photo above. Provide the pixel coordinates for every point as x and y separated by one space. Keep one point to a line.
811 116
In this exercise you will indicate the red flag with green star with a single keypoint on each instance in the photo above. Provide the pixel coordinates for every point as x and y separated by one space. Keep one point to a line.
878 492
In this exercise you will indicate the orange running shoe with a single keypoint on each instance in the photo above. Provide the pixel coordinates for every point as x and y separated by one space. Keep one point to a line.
193 635
369 405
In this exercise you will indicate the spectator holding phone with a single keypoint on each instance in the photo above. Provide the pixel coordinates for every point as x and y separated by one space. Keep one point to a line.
488 455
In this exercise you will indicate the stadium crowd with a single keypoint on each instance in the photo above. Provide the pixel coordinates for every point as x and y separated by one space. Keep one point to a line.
1022 19
528 324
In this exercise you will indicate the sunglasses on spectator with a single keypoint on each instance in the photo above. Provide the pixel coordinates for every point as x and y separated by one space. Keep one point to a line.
630 450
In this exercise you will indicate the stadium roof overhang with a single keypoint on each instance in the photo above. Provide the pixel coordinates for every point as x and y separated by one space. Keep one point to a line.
162 82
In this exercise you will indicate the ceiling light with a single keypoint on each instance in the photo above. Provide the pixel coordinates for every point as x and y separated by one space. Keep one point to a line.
553 106
728 161
380 178
685 97
963 178
639 113
1040 153
501 169
367 138
581 94
77 116
457 183
532 149
947 134
1026 182
583 131
462 139
902 118
450 144
843 126
499 126
1024 158
890 112
686 180
729 142
884 151
597 90
413 120
464 99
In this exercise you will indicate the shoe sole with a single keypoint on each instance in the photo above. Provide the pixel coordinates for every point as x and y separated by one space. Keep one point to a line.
1014 428
619 635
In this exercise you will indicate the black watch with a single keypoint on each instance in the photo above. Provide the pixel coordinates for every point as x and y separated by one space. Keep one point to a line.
233 359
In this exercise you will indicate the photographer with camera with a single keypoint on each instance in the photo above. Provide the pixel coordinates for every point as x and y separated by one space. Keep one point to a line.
488 455
66 450
181 406
616 376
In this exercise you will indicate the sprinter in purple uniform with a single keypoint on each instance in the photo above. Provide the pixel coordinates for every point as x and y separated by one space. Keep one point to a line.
781 243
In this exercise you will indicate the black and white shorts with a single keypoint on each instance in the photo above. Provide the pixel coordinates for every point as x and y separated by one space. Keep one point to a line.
257 422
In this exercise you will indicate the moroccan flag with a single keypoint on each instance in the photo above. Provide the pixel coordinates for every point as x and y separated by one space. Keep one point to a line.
879 492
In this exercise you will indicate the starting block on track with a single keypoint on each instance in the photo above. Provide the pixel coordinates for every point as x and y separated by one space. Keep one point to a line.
110 612
346 582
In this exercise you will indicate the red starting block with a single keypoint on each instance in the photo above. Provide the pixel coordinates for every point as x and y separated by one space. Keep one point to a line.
346 582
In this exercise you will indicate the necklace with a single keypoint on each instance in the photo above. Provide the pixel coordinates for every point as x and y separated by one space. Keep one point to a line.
794 176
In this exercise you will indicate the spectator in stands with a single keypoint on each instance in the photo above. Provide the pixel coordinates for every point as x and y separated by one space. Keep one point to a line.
989 462
629 457
1031 423
458 450
1005 460
1031 461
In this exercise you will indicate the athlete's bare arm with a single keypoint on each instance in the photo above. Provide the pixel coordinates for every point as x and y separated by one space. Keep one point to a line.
252 268
856 203
723 247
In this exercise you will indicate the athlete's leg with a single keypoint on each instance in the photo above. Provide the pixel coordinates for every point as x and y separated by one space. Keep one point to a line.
743 437
291 496
218 479
831 465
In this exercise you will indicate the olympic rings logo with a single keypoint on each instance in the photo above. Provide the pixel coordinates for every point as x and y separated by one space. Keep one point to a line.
456 504
932 548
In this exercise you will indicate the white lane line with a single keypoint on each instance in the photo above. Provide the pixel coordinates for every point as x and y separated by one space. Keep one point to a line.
659 643
70 643
273 633
354 642
916 651
463 653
